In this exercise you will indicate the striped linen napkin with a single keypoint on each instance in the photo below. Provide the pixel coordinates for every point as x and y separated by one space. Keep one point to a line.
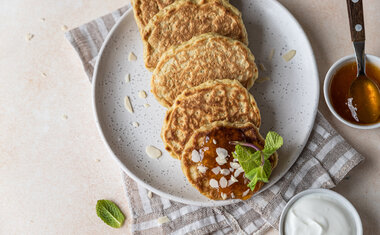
324 162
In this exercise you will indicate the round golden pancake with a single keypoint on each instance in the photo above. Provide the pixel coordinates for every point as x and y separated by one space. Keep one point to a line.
144 10
219 100
184 19
216 179
203 58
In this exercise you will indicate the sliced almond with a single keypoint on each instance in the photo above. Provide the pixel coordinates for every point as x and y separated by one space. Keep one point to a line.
163 220
216 170
246 192
142 94
127 78
225 172
150 194
222 152
238 172
271 54
135 124
128 105
132 57
153 152
195 157
223 195
29 36
214 183
223 182
202 169
262 67
288 56
221 160
64 28
235 165
146 105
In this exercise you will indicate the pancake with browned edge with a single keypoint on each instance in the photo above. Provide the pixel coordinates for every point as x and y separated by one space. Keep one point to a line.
184 19
203 58
220 179
219 100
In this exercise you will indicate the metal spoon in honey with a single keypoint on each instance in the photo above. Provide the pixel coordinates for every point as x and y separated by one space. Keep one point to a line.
364 94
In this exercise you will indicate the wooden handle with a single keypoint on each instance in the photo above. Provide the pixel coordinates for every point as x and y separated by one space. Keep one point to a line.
355 13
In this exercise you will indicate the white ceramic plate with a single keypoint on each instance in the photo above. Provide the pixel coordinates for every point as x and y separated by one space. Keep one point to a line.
288 102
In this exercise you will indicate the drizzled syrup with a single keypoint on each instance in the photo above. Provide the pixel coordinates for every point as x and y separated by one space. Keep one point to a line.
220 138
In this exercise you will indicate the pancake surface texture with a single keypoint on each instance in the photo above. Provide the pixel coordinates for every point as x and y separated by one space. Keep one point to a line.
144 10
219 100
203 58
184 19
200 165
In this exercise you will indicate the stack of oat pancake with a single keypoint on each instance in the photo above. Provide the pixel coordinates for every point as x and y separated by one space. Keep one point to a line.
202 68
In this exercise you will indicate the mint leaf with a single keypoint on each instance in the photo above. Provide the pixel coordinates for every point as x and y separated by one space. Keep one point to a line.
110 213
247 158
273 142
254 162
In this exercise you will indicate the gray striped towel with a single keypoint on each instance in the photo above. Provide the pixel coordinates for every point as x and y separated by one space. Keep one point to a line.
324 162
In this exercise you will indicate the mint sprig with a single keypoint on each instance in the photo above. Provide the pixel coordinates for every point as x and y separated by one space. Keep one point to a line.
110 213
255 162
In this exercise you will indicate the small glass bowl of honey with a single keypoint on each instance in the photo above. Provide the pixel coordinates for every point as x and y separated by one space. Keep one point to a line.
337 85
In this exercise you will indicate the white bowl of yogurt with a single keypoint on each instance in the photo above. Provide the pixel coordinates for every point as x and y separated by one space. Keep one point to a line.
322 212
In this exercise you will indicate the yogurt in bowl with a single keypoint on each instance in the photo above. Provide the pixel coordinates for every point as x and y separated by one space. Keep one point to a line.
322 212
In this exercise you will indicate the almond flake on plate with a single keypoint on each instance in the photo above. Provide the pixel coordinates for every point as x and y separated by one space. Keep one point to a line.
163 220
271 54
153 152
127 77
142 94
262 79
150 194
127 104
262 67
132 57
135 124
288 56
146 105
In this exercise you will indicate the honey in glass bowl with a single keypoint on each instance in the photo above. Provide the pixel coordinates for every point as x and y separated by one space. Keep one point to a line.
340 86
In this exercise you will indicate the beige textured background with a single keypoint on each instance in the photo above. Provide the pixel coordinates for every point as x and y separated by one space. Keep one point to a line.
53 170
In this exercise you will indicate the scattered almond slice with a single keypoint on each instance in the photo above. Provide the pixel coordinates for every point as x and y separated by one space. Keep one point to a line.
146 105
29 36
150 194
97 160
195 157
43 74
163 220
288 56
65 117
262 67
135 124
271 54
223 195
132 57
216 170
245 192
153 152
214 183
262 79
128 105
223 182
202 169
142 94
64 28
42 19
127 78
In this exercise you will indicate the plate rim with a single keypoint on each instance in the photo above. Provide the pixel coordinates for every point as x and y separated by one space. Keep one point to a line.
167 195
